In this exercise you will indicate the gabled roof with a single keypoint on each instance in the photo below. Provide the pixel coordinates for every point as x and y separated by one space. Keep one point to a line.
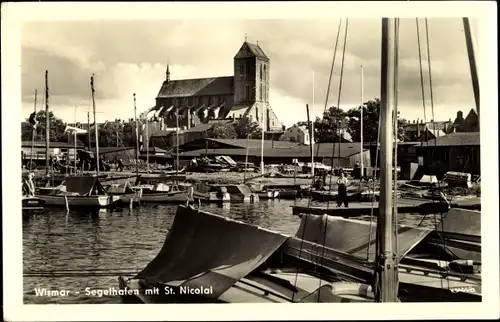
455 139
197 87
249 50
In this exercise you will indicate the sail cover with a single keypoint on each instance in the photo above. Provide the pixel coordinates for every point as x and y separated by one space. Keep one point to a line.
83 185
203 250
352 236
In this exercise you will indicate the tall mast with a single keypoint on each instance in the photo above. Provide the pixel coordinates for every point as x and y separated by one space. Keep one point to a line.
472 61
33 134
88 129
309 127
177 138
136 139
147 145
74 137
262 146
386 258
311 131
361 125
47 123
95 124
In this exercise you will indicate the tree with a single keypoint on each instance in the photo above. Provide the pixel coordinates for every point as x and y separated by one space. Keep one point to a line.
245 127
327 128
111 134
56 133
371 115
129 138
224 131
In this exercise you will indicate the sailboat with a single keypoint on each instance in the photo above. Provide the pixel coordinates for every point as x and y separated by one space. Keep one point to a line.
152 188
84 190
324 262
29 201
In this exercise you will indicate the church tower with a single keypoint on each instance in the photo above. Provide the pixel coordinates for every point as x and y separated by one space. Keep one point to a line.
251 75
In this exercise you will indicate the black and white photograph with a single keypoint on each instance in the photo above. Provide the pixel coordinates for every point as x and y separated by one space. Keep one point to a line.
280 152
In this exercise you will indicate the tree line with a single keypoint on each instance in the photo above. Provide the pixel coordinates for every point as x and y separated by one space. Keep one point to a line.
328 128
111 134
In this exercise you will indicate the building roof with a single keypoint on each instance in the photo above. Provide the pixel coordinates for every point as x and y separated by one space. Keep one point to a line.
57 145
299 151
112 149
197 87
455 139
162 133
286 148
202 127
249 50
242 143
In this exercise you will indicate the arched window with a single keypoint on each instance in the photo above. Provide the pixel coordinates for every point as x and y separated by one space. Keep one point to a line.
260 93
261 72
265 72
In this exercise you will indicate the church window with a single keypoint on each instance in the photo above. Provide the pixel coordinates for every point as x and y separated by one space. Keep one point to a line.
248 92
265 72
260 72
260 92
242 70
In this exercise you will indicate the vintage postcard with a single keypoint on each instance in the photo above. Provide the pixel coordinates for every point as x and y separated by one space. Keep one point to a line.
249 153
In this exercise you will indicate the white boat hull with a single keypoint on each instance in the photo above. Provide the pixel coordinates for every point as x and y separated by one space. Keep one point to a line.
160 197
78 201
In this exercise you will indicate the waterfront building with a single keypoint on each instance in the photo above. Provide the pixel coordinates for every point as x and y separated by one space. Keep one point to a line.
297 133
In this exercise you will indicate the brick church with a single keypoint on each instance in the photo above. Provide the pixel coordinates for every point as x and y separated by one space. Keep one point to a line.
246 94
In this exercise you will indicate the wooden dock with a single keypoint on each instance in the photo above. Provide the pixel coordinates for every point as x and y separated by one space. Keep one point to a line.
416 206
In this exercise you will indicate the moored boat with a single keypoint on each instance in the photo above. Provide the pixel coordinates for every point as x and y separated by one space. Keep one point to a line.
32 203
80 191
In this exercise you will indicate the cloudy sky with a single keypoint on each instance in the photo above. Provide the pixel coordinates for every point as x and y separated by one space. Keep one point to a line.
131 56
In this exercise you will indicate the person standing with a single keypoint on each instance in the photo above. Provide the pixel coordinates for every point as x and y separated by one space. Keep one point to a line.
342 190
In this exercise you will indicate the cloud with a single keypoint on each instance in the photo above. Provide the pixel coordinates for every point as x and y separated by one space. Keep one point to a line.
131 56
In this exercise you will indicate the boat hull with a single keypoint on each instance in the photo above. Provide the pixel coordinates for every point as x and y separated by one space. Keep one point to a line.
274 194
99 201
160 197
32 203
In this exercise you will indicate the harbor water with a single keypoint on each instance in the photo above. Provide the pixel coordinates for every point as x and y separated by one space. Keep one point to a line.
123 241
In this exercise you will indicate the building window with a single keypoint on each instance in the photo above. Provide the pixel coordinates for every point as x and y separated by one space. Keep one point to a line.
242 70
260 72
248 92
265 72
306 138
260 92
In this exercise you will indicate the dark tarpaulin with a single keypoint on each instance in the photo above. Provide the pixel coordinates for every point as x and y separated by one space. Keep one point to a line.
82 184
204 249
352 236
